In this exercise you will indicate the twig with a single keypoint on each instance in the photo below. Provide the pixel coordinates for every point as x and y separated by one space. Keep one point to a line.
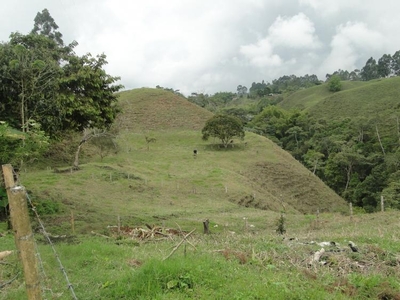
179 244
8 282
98 234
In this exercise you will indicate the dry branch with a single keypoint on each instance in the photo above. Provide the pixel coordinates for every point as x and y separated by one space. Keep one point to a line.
4 254
317 255
180 243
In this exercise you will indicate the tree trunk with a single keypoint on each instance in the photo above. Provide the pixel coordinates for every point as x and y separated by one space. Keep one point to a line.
23 113
348 177
75 166
379 139
315 166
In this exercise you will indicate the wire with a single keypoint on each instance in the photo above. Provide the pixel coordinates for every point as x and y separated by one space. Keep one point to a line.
46 235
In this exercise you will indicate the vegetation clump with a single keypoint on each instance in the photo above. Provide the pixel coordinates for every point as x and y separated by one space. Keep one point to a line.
281 229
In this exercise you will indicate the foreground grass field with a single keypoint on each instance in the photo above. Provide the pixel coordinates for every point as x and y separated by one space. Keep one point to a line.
252 263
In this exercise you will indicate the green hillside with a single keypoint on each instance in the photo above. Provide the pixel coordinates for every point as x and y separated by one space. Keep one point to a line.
377 99
164 181
306 98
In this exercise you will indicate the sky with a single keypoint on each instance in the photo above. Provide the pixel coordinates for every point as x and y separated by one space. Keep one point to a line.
210 46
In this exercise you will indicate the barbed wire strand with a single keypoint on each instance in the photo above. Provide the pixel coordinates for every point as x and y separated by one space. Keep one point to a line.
44 275
46 235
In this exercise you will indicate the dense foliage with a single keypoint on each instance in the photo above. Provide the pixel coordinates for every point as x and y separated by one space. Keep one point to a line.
47 90
45 81
347 154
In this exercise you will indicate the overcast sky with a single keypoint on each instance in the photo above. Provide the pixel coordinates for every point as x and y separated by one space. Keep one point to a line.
211 46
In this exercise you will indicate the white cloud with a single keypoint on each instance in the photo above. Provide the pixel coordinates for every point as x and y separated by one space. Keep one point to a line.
261 54
215 45
285 35
328 7
295 32
352 41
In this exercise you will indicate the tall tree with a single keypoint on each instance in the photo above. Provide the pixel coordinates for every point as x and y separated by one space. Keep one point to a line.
45 25
370 70
395 66
384 65
31 77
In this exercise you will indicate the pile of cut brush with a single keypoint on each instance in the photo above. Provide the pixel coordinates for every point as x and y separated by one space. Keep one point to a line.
147 233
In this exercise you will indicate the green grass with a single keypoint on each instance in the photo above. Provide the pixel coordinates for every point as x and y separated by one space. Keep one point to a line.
253 263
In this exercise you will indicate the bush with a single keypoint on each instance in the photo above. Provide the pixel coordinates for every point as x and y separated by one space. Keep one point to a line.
335 84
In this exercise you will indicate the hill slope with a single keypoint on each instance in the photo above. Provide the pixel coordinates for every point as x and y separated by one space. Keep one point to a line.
164 181
373 99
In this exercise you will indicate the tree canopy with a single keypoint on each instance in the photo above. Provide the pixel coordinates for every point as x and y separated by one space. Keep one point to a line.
335 84
223 127
42 80
46 90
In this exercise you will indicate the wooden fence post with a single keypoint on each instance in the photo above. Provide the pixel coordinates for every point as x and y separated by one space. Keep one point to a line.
72 222
206 226
382 204
22 233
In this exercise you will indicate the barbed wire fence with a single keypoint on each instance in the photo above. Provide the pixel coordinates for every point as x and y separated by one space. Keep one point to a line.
46 235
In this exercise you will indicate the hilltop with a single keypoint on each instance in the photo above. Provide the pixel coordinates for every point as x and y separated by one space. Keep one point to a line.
157 109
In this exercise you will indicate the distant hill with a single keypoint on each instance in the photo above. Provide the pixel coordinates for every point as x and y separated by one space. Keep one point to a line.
376 99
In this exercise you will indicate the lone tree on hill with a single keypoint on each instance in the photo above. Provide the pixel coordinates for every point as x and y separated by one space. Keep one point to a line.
335 84
224 127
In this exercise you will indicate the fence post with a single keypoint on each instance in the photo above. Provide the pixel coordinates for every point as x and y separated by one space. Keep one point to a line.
72 222
382 204
22 233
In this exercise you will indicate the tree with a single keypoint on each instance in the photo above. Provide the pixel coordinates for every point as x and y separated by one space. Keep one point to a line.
370 70
32 76
88 94
395 65
224 127
88 134
384 64
44 81
313 159
335 84
45 25
241 90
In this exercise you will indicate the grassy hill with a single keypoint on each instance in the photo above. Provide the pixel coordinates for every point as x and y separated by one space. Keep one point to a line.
164 181
156 109
376 99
